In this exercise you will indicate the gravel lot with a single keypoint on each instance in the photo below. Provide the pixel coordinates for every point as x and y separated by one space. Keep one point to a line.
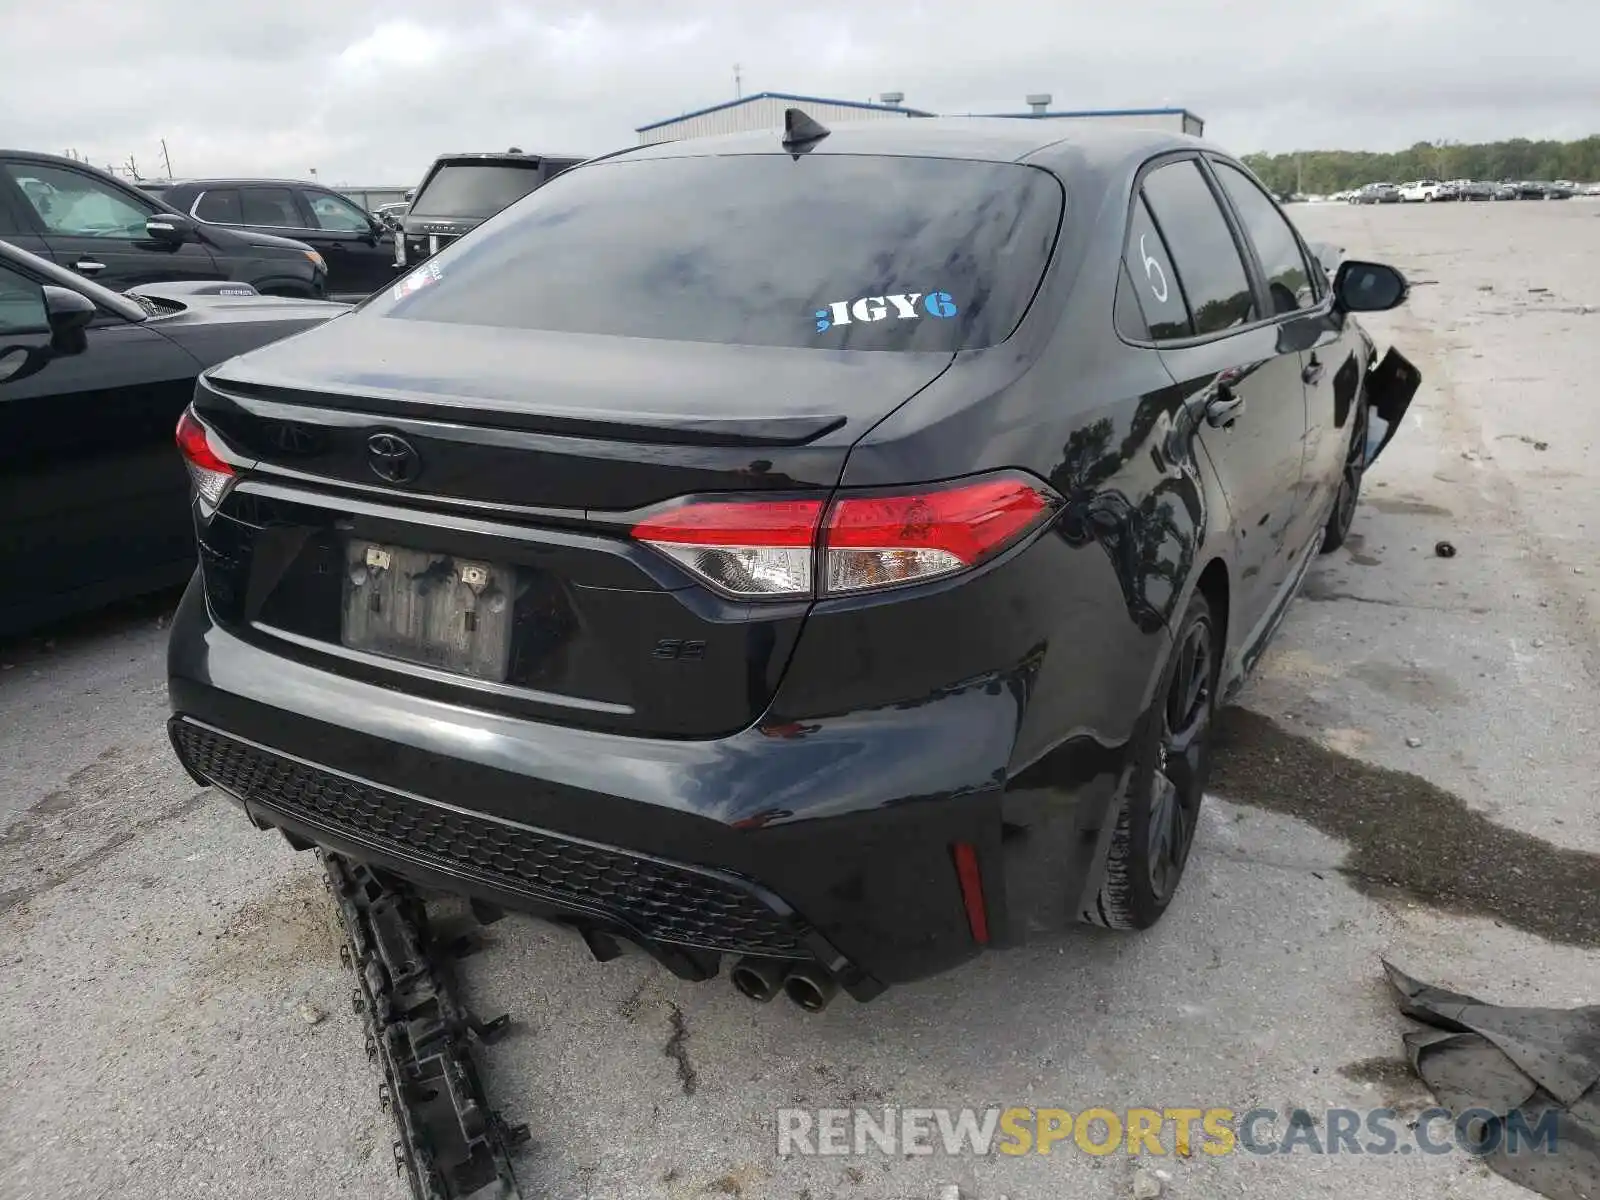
1410 776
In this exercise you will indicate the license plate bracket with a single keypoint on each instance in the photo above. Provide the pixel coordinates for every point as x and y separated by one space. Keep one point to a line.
424 607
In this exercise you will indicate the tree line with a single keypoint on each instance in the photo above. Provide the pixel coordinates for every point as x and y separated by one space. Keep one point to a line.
1324 171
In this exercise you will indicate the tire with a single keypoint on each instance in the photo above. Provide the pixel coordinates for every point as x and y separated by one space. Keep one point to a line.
1344 506
1161 806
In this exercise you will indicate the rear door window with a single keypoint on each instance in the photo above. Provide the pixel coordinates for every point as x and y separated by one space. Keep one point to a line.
1202 247
270 206
1155 281
1282 261
835 252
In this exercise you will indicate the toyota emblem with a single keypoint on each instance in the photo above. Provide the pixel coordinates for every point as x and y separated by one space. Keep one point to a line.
392 458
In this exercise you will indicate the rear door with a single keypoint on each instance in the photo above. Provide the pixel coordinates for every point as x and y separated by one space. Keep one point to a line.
94 497
1330 348
95 227
1242 383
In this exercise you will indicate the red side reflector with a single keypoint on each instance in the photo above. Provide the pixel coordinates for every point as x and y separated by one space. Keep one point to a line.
971 880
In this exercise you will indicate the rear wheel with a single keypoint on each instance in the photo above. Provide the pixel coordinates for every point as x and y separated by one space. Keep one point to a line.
1344 508
1155 829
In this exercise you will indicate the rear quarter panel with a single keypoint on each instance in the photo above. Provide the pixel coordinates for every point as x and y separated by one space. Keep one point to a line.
1102 422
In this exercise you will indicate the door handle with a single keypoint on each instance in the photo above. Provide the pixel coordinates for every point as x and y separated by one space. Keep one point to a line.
1312 371
88 266
1223 409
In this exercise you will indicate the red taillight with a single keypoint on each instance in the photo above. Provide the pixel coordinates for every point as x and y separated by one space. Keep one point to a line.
884 540
209 472
758 548
770 548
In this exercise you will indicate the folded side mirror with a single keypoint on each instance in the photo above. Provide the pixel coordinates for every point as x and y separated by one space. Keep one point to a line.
1369 287
68 314
170 229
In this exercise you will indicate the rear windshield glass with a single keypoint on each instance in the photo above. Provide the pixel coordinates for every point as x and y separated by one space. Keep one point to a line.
474 190
827 251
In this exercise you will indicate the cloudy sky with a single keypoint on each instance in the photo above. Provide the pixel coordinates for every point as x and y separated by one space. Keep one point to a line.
370 92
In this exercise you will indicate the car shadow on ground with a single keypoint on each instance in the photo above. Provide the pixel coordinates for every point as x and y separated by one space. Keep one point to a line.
86 633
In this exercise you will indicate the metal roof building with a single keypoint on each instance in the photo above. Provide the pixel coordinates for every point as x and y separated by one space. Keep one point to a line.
764 110
1173 120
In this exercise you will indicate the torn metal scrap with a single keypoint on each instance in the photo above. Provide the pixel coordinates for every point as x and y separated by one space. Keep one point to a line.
1543 1063
450 1144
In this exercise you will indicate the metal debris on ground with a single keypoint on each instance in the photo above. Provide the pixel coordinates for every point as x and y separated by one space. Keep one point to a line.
1444 549
1542 1064
451 1145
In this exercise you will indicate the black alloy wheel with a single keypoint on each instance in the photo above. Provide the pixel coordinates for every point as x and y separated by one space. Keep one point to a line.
1161 810
1355 466
1178 782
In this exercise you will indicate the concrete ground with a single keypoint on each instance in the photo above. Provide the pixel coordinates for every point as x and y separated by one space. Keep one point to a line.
1410 776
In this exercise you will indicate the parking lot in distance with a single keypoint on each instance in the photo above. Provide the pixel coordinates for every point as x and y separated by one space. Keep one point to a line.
182 1028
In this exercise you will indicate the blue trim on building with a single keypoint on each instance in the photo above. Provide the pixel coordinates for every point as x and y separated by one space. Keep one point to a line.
700 112
1102 112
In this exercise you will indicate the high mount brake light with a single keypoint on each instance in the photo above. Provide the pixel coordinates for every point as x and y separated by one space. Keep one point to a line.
788 549
209 473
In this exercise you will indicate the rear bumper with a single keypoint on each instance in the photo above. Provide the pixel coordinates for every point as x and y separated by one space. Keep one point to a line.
832 841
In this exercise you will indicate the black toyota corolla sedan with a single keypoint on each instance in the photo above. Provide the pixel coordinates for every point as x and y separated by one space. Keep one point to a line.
823 551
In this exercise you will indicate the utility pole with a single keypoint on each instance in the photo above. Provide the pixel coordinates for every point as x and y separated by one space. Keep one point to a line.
166 158
133 169
738 83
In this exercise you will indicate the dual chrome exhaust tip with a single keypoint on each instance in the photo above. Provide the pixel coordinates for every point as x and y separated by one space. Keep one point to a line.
806 984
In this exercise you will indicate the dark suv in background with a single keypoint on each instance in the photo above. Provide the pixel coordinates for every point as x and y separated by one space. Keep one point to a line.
105 229
358 247
461 191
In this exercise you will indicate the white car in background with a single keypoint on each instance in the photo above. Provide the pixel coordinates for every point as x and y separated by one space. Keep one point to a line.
1422 190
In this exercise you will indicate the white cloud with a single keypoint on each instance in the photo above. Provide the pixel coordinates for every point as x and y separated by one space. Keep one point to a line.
370 90
392 45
